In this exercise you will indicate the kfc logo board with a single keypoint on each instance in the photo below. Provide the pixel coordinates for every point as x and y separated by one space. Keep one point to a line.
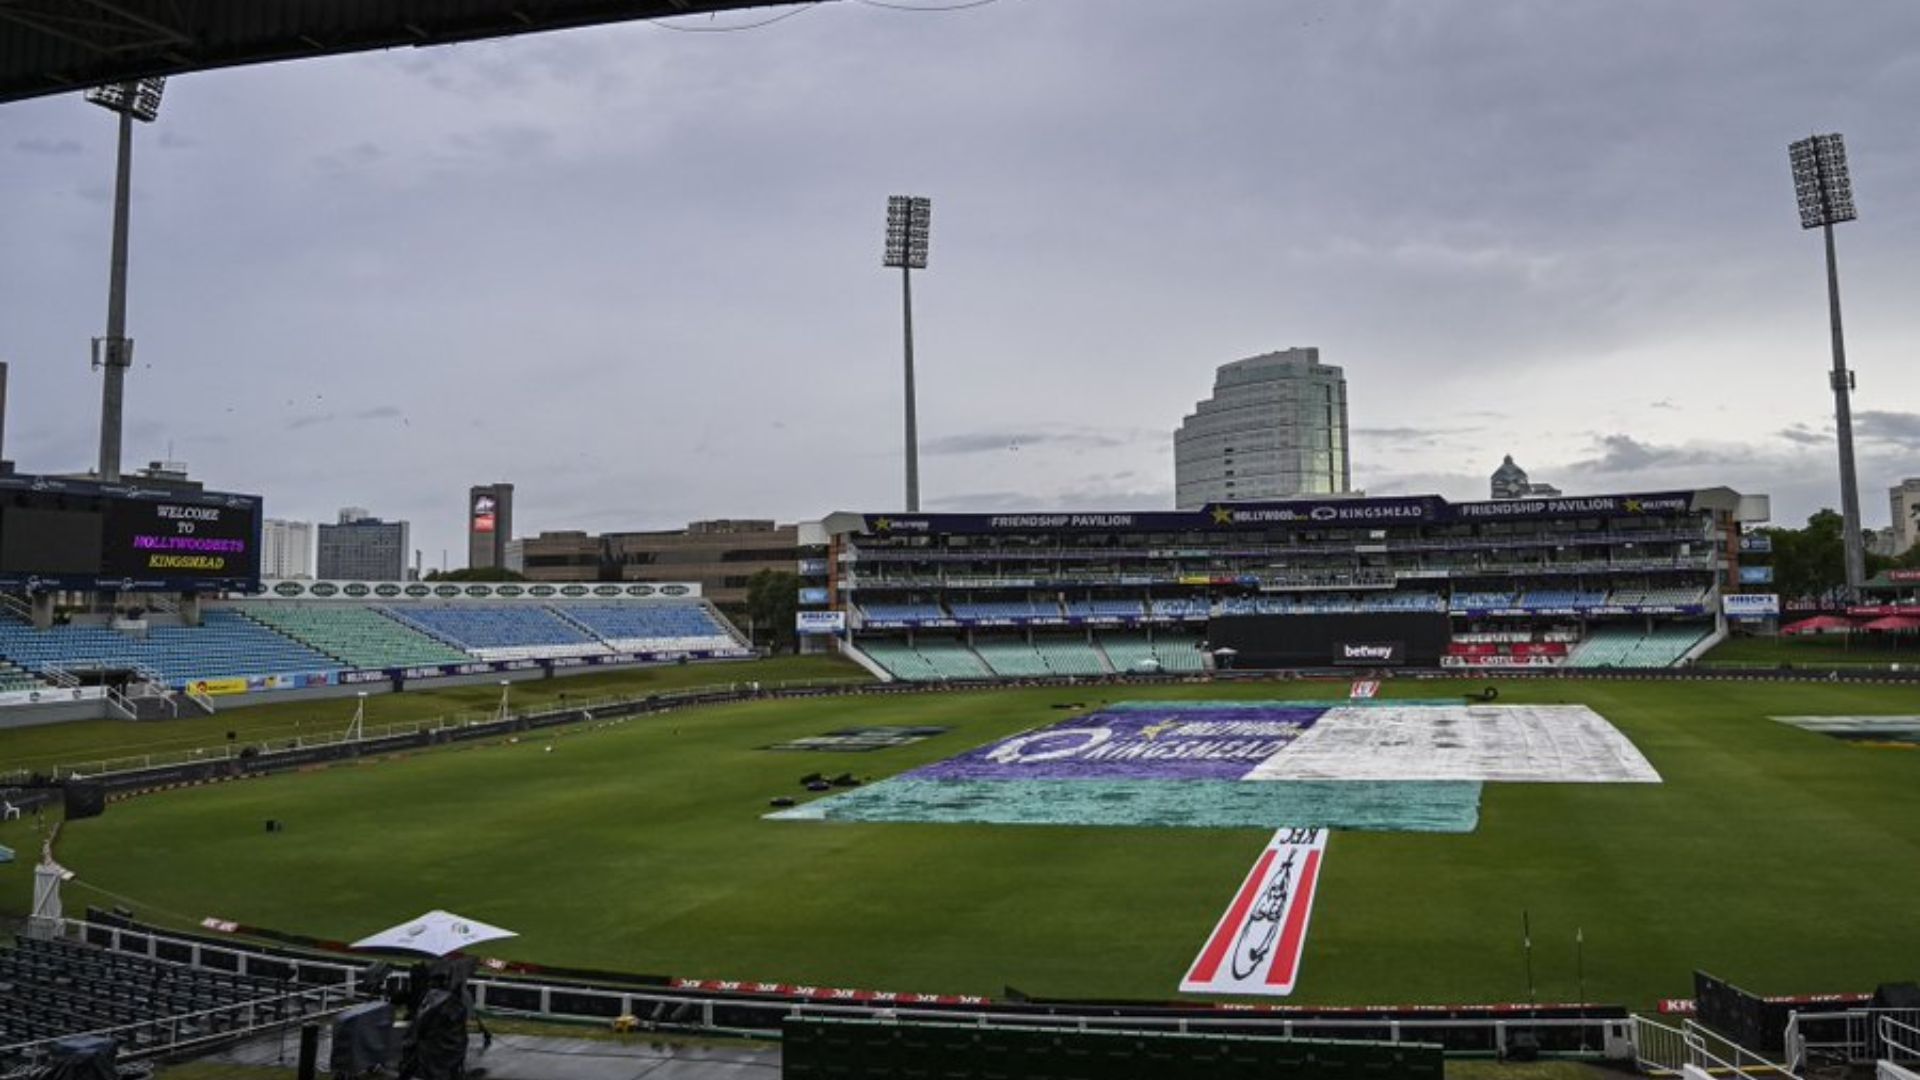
1256 946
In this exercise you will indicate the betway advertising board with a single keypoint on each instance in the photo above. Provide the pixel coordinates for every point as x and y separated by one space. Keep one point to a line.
1369 653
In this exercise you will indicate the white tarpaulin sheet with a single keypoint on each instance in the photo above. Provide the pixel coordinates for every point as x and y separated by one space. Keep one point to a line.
1549 744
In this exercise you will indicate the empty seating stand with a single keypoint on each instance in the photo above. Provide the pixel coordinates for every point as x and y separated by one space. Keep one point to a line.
357 635
1016 659
910 613
507 631
225 645
54 988
653 626
930 661
1625 647
1130 653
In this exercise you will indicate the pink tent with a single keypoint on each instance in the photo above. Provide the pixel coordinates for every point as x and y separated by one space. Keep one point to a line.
1894 624
1819 624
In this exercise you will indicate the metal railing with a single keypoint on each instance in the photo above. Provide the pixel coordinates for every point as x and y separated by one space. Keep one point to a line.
185 1031
1658 1050
1899 1040
1662 1050
1714 1052
118 702
721 1014
1852 1036
16 607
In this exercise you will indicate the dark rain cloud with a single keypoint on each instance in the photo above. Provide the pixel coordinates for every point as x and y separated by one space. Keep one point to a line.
637 272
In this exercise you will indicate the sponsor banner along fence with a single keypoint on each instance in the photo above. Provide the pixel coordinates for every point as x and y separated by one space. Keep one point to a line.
541 592
306 680
1256 946
50 695
428 672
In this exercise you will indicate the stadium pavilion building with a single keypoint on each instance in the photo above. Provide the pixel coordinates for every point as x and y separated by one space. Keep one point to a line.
1621 580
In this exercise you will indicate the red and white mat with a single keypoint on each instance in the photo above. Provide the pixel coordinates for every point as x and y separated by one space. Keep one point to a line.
1256 946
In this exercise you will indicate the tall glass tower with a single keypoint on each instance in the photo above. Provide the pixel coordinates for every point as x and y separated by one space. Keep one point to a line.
1276 426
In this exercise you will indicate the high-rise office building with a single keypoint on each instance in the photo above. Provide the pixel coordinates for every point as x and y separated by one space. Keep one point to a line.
1904 500
366 549
286 549
489 524
1276 426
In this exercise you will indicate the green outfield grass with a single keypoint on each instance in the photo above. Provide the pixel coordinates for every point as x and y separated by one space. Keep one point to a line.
1822 650
1783 860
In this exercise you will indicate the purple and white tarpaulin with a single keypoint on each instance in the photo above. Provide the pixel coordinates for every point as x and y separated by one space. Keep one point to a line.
1352 740
1138 743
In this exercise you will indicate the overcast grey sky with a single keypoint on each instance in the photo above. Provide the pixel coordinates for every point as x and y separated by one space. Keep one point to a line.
636 272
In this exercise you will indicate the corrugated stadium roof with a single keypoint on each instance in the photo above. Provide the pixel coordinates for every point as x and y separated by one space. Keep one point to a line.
52 46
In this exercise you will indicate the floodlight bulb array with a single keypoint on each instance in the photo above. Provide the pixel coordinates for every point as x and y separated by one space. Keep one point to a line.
1821 184
909 221
139 99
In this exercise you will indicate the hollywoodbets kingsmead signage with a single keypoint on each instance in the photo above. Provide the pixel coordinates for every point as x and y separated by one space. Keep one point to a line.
1330 513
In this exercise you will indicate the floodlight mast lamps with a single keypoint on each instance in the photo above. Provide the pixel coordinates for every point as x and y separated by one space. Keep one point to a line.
1824 192
909 219
133 101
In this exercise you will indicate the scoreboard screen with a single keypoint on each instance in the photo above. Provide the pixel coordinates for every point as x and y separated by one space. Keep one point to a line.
162 539
74 534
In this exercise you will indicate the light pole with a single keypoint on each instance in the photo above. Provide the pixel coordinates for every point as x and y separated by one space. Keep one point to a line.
1825 194
133 101
908 219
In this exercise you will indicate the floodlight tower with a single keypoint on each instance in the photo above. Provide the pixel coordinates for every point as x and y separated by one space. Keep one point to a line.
909 217
140 101
1825 194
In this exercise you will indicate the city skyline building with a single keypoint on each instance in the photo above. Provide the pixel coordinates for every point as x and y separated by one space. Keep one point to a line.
286 548
1276 426
722 555
366 549
1903 503
489 525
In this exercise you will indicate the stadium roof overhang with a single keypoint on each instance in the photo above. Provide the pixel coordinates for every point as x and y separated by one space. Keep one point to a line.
53 46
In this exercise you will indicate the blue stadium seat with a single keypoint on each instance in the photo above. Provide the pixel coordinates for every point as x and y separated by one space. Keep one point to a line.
226 645
653 626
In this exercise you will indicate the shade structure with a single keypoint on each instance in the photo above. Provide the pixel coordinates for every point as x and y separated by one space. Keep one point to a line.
436 933
1893 624
1819 624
